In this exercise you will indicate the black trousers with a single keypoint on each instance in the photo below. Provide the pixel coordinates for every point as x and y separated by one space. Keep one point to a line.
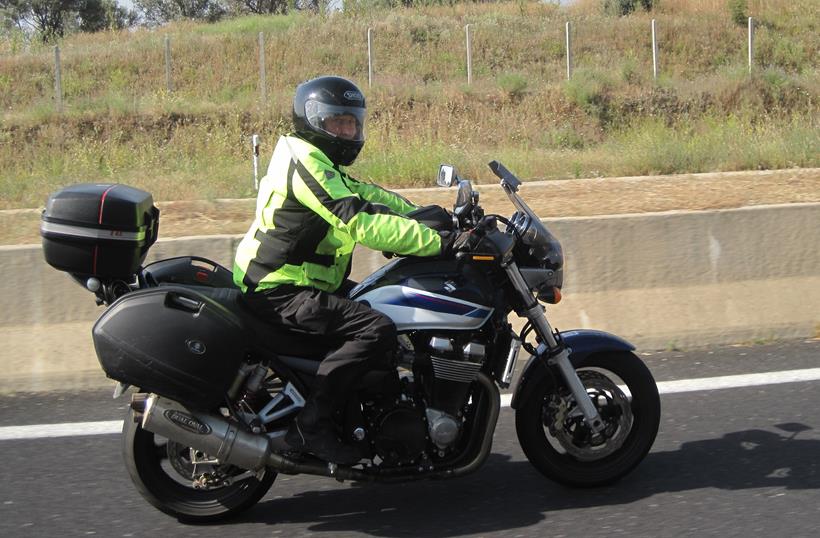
361 338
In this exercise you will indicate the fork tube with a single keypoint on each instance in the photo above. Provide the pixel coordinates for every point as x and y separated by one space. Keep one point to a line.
535 313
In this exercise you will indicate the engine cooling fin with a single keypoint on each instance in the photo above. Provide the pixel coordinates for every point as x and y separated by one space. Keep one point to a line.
460 371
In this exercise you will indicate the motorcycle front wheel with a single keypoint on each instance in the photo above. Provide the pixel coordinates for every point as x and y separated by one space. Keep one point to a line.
183 483
557 441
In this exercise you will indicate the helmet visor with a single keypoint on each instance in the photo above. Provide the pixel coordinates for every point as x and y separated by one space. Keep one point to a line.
344 122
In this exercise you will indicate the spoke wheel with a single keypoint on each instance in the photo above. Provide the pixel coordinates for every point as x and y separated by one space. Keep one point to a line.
185 483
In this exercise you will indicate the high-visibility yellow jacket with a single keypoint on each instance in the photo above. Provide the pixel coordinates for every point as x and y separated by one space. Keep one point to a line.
310 215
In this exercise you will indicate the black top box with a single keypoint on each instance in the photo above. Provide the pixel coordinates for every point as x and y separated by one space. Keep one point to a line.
100 230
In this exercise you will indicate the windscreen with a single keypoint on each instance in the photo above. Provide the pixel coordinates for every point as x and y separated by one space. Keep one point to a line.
547 247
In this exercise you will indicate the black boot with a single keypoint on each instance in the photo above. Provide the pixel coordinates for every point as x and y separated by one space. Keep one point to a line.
321 441
313 431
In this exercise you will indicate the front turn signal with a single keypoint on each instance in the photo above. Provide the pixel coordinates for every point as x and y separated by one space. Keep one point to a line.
551 296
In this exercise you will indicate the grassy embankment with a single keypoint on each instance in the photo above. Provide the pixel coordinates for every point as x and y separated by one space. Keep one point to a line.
704 113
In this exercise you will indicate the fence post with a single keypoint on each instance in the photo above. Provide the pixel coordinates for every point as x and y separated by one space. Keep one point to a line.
569 51
255 146
369 57
469 55
654 52
751 42
168 83
58 81
263 88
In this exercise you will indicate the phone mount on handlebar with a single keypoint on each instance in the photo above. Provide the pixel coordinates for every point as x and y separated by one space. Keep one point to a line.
464 198
466 210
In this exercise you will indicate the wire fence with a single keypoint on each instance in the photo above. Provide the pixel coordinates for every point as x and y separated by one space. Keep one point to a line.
372 73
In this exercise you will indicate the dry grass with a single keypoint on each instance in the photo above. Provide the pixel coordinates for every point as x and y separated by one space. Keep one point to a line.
218 63
704 113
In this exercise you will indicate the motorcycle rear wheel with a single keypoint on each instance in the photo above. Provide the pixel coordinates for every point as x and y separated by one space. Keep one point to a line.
554 442
163 485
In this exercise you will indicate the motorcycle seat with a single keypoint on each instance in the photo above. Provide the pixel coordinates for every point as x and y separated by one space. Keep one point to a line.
269 336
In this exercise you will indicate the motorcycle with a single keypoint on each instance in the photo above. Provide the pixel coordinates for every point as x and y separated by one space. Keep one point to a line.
216 388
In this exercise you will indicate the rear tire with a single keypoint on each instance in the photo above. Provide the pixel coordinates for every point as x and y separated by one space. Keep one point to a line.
164 486
552 451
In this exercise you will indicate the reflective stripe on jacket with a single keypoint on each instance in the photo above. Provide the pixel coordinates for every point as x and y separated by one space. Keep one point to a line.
309 216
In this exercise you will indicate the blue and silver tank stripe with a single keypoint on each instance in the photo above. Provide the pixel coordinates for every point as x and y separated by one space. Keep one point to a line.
413 298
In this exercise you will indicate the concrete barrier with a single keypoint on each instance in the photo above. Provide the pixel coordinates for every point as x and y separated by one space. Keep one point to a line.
663 279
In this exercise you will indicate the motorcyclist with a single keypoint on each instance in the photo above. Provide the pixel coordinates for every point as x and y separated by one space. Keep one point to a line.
295 258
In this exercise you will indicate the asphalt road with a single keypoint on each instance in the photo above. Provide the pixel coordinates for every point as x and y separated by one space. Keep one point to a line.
729 462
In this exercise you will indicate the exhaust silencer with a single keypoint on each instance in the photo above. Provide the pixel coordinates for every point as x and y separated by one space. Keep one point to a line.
208 433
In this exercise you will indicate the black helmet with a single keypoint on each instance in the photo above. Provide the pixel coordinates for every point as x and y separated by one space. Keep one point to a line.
321 99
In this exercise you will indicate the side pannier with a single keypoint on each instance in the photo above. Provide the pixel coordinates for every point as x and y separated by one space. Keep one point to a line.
173 341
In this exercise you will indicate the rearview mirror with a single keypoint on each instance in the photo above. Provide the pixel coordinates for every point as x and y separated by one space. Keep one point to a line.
446 175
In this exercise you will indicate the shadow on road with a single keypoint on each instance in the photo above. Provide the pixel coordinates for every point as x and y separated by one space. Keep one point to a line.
507 494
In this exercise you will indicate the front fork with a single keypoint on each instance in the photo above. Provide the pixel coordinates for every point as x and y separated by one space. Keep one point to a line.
557 352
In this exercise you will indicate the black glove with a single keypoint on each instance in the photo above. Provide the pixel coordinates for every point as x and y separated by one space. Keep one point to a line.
452 242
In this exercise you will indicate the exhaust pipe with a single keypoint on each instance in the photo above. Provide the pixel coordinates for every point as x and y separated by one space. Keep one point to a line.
222 440
203 431
228 443
483 444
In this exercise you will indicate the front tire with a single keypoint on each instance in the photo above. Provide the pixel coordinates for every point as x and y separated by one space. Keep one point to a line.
558 443
158 469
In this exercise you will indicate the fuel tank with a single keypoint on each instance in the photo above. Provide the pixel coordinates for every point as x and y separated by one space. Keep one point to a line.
420 293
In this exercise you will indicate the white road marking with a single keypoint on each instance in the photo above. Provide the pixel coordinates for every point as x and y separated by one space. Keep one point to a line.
71 429
738 381
66 429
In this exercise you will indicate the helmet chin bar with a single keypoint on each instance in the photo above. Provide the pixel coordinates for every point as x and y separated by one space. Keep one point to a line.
340 152
347 156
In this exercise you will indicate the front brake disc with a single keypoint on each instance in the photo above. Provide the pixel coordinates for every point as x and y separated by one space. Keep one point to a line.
566 424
